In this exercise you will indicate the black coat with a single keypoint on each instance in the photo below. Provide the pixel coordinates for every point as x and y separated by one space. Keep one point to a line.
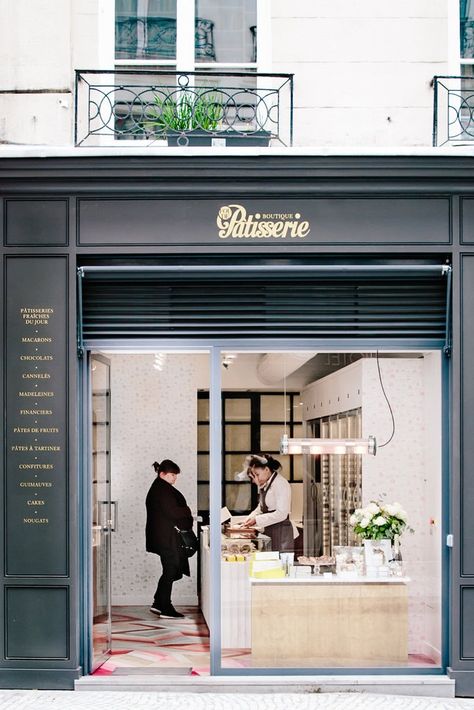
165 508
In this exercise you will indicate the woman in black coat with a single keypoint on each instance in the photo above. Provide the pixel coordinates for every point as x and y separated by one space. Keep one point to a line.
166 508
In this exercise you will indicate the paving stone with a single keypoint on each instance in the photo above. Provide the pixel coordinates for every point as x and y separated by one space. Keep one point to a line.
85 700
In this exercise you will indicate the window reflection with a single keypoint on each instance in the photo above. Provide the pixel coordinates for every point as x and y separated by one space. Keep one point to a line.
467 28
223 31
145 29
226 30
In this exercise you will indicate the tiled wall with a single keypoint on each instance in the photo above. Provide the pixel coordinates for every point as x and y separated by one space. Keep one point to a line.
408 470
153 417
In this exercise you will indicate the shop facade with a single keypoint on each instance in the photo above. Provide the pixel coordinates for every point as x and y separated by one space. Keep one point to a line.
87 241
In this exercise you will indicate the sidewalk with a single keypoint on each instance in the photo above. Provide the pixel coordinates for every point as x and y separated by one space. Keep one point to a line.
85 700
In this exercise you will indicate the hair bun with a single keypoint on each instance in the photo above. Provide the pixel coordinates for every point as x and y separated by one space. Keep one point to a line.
272 464
155 465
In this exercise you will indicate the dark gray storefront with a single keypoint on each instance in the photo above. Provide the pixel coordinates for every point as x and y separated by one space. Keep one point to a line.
211 214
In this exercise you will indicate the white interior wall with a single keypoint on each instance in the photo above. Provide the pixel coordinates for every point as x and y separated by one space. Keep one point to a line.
433 465
408 470
154 416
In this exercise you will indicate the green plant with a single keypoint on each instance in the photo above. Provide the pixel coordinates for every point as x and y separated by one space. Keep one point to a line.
378 521
185 111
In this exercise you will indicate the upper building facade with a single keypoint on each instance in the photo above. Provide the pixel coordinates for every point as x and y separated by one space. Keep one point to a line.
363 75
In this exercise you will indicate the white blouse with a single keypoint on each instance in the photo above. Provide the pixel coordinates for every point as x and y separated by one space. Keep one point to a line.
278 499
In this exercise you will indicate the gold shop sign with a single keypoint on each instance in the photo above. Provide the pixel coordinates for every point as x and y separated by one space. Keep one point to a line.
234 222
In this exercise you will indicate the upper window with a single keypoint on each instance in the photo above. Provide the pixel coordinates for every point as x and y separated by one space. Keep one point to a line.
231 27
224 32
145 29
466 12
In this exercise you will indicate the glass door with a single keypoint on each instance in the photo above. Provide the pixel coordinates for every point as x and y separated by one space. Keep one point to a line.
101 508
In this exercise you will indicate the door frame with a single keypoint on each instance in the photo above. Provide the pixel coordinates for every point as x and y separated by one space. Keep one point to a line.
85 512
215 347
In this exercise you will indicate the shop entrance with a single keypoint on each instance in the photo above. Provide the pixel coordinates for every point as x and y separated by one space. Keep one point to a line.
147 404
142 409
354 318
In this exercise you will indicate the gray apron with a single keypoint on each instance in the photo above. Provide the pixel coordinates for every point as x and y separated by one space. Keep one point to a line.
281 534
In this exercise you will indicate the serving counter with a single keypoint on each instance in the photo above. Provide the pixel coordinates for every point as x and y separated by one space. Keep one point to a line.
329 621
235 591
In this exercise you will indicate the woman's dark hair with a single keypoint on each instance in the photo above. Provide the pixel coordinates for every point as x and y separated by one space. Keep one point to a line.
262 460
166 466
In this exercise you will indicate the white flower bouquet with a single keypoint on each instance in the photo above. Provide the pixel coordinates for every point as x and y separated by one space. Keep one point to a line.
379 521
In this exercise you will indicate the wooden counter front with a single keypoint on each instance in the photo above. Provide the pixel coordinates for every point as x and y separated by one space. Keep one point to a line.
329 624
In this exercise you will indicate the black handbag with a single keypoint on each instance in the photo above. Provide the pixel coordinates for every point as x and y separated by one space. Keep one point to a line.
187 542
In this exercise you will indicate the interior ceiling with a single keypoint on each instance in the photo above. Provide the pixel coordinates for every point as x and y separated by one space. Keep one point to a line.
324 364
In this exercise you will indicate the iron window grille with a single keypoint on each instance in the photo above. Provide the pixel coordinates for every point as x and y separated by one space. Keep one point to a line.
154 106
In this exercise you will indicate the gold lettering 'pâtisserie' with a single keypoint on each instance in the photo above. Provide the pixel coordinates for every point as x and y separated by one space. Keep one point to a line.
235 222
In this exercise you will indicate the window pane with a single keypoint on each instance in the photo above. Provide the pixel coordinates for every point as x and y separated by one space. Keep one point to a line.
203 437
203 467
234 464
298 431
226 31
203 496
145 30
237 410
203 410
467 29
237 497
272 409
298 468
270 437
403 595
237 437
285 465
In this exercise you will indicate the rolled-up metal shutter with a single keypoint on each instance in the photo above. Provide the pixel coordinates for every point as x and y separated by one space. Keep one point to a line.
363 302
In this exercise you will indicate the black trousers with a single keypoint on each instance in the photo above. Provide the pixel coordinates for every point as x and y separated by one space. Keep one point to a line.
171 573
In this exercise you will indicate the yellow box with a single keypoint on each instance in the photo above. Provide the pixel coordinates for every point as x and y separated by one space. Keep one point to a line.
269 574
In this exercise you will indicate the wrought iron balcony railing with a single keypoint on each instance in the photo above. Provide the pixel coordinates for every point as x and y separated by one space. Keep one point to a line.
453 112
176 108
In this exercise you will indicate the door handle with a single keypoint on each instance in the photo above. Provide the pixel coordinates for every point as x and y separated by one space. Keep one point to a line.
111 524
114 521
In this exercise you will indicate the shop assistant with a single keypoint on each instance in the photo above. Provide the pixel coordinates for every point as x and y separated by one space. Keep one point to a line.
167 509
273 510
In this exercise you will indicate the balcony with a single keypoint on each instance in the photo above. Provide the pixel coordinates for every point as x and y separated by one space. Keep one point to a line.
453 114
161 108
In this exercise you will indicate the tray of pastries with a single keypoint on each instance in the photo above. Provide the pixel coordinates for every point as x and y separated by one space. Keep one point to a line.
238 531
325 561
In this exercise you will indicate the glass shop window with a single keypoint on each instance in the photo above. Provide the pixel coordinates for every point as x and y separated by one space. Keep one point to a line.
335 560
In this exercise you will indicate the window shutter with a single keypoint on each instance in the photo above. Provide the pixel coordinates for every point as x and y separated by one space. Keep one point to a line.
363 303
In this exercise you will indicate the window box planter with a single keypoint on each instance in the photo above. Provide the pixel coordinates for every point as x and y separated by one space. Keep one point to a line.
197 138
